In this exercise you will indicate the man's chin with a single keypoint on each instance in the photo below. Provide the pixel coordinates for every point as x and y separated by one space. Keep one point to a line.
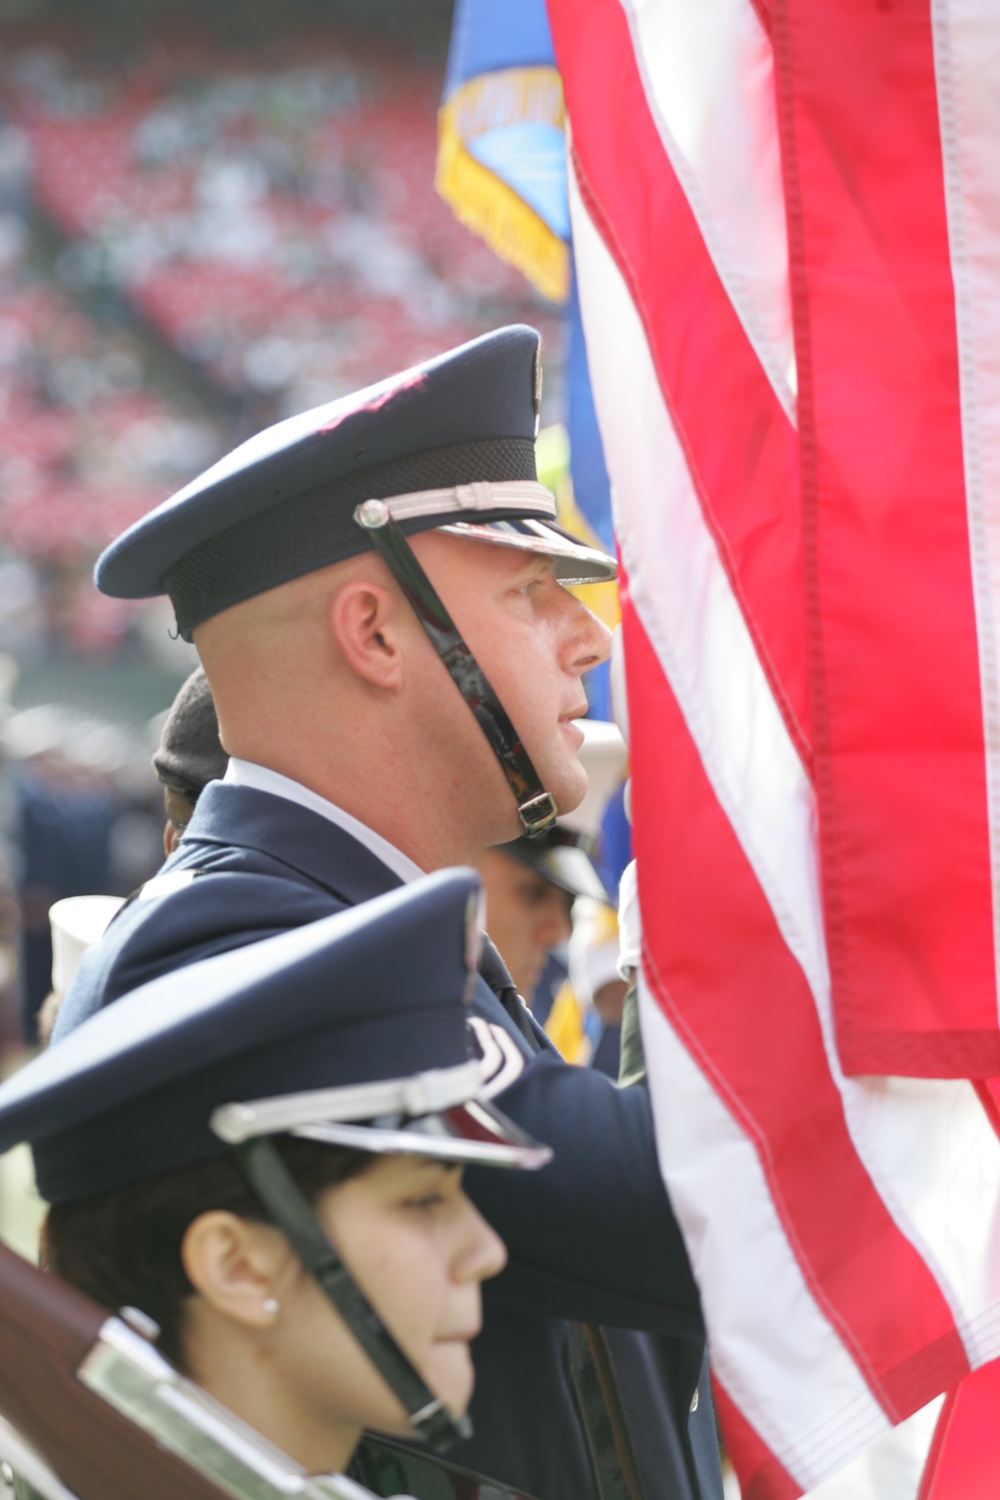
569 788
567 784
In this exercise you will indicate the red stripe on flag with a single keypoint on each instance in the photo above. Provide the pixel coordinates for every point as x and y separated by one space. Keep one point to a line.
724 976
740 446
894 670
760 1474
964 1461
763 11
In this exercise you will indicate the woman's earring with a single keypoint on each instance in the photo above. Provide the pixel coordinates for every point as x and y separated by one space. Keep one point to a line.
271 1306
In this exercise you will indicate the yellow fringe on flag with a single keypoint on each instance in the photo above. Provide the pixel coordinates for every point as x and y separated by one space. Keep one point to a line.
480 199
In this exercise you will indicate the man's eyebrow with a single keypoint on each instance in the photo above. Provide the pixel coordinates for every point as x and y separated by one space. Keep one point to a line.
534 564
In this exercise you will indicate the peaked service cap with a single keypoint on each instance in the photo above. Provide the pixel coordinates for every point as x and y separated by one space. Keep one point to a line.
448 443
351 1031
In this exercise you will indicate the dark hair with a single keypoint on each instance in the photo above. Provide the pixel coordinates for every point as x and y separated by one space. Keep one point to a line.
124 1248
190 753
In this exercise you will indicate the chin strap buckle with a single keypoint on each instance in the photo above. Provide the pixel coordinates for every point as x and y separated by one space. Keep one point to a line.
538 814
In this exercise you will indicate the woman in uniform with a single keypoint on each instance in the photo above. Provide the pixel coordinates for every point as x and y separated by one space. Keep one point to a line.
263 1157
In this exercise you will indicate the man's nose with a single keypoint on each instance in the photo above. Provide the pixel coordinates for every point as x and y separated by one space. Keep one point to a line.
588 638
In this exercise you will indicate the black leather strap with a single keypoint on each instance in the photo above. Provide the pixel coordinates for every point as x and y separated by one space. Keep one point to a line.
497 976
290 1211
615 1469
391 1468
536 806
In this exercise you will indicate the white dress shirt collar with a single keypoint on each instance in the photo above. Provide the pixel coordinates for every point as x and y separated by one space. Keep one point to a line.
262 779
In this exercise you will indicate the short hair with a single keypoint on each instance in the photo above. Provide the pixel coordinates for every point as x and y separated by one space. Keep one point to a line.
190 753
123 1248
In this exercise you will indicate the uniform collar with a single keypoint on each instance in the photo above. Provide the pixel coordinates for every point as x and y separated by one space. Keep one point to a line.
282 832
263 779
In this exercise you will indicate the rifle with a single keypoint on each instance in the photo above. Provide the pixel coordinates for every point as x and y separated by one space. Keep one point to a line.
91 1410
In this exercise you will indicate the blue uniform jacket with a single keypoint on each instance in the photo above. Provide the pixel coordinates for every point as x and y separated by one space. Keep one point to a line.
591 1237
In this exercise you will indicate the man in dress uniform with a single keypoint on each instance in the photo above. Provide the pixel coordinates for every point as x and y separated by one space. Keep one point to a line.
335 572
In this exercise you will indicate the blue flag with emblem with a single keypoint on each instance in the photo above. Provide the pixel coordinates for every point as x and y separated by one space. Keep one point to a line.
501 143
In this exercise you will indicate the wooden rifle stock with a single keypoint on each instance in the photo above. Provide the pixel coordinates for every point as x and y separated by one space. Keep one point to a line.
113 1420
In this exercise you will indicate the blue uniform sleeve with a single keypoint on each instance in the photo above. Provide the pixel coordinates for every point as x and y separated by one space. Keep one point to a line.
592 1236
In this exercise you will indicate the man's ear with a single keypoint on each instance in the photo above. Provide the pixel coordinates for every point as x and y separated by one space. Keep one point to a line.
240 1268
364 622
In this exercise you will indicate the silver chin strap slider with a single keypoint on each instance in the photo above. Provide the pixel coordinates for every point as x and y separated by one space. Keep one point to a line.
538 814
371 514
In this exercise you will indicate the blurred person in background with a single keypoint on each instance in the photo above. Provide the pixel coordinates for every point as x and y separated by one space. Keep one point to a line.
63 821
586 1016
187 757
189 754
528 914
80 824
75 924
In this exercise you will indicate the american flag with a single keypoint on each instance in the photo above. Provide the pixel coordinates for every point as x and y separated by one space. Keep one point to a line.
786 226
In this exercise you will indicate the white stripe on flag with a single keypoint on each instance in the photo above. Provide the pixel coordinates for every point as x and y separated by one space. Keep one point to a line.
929 1144
892 1468
967 73
708 74
770 1345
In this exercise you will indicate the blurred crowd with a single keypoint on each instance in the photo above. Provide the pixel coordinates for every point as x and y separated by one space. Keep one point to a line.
194 242
275 225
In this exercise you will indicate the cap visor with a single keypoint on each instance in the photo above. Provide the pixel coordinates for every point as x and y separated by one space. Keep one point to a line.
564 866
474 1132
574 561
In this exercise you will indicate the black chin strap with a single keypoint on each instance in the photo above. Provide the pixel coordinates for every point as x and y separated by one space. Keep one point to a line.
286 1207
536 807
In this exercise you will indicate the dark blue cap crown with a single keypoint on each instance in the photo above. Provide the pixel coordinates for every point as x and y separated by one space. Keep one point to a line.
371 994
282 504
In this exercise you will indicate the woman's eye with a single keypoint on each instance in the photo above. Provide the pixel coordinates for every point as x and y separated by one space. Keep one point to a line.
430 1200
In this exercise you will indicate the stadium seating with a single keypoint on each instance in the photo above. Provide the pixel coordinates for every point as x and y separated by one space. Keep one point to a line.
268 220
